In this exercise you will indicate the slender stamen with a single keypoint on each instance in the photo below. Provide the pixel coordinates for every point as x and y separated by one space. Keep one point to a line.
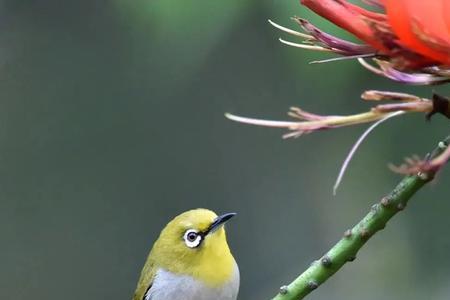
369 67
356 146
268 123
303 46
339 58
290 31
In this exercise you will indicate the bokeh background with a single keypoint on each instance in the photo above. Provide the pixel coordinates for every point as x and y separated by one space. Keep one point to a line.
112 122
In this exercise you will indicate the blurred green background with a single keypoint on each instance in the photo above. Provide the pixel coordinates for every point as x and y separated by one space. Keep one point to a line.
111 123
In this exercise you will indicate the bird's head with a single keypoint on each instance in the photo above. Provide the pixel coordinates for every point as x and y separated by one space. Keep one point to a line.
194 243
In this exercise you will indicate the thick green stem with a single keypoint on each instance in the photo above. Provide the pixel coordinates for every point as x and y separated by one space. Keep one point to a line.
353 240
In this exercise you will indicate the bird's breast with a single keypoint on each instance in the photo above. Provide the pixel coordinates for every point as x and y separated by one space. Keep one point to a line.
169 286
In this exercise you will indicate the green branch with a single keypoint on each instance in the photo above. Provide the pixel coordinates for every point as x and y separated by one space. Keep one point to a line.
353 240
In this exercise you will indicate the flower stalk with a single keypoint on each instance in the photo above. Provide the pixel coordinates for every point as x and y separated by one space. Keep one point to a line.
346 249
403 41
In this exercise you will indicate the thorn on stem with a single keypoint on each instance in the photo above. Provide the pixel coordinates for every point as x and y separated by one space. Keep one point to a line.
348 233
386 201
374 208
312 285
284 290
442 145
326 261
423 176
364 233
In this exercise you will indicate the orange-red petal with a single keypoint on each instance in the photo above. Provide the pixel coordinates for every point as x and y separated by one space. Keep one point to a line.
421 27
446 14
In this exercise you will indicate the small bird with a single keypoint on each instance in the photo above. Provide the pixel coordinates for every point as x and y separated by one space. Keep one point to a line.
190 260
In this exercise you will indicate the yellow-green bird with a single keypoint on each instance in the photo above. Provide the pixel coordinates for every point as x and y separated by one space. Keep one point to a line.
190 260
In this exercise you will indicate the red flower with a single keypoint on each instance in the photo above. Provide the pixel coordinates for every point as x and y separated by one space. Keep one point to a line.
412 33
410 42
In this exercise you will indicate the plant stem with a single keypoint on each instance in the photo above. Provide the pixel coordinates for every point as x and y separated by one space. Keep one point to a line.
346 249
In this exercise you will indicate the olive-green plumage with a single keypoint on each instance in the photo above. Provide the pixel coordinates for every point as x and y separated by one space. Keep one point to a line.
190 260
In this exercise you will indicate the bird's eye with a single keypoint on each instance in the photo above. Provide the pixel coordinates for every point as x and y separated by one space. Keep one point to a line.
192 238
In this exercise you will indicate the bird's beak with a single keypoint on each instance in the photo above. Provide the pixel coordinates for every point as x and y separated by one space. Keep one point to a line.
219 221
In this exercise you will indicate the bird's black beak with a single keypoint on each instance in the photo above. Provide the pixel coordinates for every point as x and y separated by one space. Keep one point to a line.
219 221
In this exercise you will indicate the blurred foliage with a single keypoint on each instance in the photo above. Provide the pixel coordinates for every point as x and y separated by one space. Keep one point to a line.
111 123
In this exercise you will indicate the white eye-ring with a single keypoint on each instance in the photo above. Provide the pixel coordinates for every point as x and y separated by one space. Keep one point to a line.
192 238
